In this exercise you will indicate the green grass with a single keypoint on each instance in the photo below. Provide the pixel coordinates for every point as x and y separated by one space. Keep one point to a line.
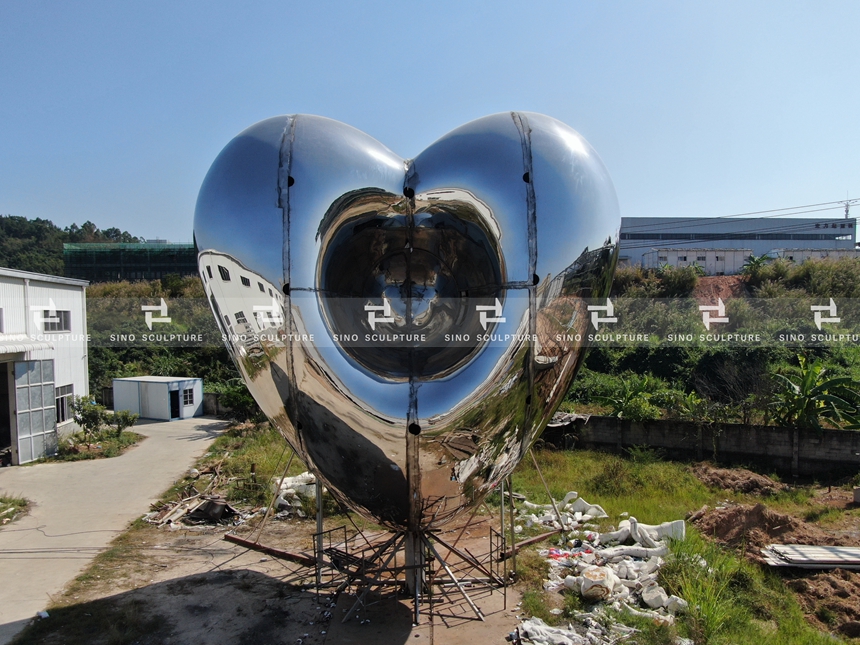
732 601
653 491
12 508
251 455
105 445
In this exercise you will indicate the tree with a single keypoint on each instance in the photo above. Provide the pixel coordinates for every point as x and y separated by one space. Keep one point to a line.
122 419
805 401
89 415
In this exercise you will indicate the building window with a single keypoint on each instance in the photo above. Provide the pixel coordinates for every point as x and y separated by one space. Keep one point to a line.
1 321
245 281
662 258
270 293
240 318
682 258
720 258
262 288
188 396
700 258
64 396
227 322
225 274
209 271
57 320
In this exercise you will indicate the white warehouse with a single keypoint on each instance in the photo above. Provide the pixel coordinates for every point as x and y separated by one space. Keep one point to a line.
43 361
641 238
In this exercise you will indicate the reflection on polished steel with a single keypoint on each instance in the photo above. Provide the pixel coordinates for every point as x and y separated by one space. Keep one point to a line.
467 268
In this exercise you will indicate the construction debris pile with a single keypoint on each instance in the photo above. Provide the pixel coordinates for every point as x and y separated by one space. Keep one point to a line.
292 494
196 509
206 507
615 570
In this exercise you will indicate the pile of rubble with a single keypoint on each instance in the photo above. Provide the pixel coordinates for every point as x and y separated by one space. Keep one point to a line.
197 508
292 493
615 570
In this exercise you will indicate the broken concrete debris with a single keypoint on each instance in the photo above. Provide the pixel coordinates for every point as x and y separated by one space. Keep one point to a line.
615 570
293 492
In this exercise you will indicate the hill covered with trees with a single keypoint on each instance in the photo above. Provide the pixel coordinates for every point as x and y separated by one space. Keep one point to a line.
37 245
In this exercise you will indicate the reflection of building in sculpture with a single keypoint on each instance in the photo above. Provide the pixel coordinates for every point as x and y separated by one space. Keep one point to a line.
245 303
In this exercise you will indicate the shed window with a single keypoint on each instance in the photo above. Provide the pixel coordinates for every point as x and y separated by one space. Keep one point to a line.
188 396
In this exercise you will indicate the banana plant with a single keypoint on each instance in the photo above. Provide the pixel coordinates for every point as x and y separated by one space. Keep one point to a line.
806 401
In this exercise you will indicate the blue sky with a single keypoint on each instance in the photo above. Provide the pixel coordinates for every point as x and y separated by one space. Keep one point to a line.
113 111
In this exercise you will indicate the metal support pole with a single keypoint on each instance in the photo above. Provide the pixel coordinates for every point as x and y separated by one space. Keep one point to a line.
319 531
451 575
546 488
513 542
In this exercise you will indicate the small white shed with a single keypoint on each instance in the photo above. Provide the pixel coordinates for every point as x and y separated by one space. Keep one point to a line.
159 397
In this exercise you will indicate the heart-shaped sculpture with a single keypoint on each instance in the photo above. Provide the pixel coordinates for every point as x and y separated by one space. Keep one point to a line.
409 326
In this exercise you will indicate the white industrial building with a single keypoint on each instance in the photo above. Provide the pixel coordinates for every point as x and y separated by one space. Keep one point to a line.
644 239
43 361
712 261
164 398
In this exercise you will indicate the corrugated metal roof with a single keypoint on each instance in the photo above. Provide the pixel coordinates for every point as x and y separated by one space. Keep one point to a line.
42 277
158 379
806 556
19 344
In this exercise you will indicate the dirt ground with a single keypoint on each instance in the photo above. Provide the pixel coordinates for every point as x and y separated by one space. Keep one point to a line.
830 599
178 585
739 480
710 288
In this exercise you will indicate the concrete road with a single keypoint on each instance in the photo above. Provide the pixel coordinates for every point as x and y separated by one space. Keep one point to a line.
79 507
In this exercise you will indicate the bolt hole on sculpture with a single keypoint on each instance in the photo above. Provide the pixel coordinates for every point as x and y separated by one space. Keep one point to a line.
420 316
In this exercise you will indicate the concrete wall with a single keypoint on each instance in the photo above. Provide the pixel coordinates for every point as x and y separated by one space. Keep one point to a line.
212 406
787 450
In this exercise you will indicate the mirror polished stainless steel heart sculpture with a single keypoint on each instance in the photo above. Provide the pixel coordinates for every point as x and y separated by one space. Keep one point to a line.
409 326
